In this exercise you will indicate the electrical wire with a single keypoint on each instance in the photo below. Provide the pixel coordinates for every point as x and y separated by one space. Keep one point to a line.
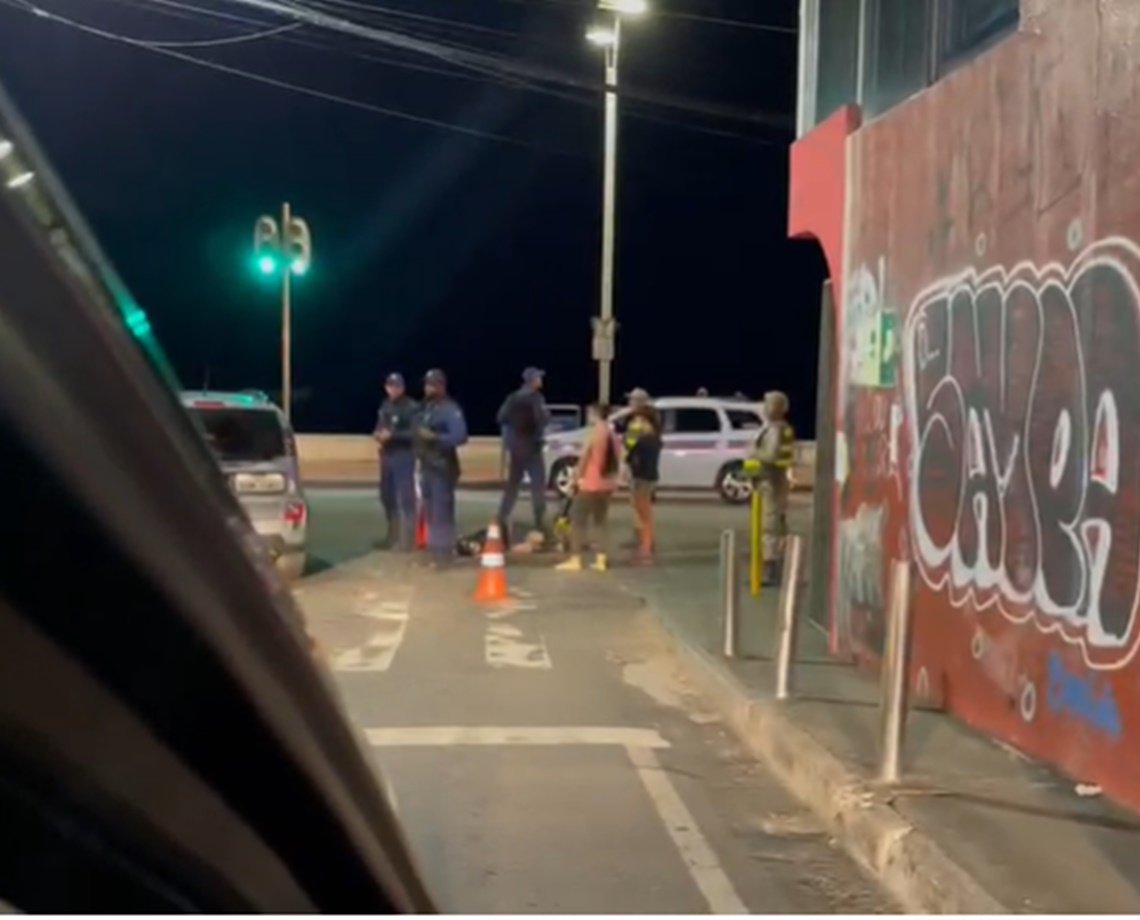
457 24
28 7
270 32
587 92
672 14
484 62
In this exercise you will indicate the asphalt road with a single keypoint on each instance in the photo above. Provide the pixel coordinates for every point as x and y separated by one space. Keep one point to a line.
547 754
346 522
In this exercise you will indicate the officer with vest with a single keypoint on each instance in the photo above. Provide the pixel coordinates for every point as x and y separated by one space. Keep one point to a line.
523 419
395 432
771 464
441 430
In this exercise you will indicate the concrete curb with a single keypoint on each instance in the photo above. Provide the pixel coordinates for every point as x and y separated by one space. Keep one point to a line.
910 866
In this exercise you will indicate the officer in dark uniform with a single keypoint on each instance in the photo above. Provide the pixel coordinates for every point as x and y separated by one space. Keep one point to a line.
441 430
395 432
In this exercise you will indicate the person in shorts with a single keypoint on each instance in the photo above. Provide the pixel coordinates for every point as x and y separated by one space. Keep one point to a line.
596 479
642 458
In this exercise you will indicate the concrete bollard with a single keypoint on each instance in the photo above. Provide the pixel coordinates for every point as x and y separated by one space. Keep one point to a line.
788 620
895 674
729 592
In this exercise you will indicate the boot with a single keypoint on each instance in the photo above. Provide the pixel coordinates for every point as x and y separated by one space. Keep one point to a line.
573 564
600 564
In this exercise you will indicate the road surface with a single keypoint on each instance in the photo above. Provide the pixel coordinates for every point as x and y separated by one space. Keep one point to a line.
547 755
345 523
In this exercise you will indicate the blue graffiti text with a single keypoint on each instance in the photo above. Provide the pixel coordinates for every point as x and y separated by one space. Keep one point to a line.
1077 695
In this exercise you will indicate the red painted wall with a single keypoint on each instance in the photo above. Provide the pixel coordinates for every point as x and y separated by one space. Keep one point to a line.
989 407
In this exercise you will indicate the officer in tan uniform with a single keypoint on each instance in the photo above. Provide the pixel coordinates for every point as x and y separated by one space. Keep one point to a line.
772 462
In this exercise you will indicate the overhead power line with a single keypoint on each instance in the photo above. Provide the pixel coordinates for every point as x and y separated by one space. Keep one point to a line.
27 6
634 108
192 43
672 14
484 62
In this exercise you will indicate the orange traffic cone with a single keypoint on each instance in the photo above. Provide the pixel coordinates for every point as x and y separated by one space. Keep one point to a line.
492 586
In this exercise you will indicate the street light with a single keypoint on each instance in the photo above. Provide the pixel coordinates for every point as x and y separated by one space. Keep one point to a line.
607 36
288 246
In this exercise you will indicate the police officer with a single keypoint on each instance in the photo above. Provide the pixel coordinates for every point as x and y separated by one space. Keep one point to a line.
772 462
523 418
395 430
440 432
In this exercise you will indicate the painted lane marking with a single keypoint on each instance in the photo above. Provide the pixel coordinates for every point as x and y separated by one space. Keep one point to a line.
379 650
702 863
475 735
505 647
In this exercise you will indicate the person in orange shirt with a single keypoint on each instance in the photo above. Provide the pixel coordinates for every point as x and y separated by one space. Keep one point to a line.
596 480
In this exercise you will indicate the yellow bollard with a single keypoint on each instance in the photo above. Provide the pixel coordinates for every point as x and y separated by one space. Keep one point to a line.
757 543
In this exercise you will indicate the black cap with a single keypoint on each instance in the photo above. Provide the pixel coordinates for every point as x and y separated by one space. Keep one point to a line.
435 375
394 380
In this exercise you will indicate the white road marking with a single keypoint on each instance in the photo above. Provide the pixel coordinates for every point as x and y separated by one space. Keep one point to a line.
699 858
454 735
505 647
379 651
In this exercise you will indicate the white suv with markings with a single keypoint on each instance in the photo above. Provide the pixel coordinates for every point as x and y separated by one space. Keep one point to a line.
705 442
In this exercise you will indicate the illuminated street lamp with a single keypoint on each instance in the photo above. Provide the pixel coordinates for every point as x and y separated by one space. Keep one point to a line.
607 36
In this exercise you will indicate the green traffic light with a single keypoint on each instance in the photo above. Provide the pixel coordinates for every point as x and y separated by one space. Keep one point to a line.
267 265
299 267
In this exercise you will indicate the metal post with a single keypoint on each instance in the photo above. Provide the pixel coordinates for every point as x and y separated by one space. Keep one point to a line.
789 622
757 543
729 591
286 323
605 331
895 674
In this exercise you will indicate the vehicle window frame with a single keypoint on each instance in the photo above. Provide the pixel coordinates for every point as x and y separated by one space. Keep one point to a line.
281 452
671 426
752 413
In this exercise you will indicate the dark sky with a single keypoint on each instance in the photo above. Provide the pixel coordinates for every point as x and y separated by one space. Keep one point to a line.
434 248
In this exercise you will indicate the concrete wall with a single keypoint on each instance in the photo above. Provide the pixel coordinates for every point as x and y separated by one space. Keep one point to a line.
990 234
352 458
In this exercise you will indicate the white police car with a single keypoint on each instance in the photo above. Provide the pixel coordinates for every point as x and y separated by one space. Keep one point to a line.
704 444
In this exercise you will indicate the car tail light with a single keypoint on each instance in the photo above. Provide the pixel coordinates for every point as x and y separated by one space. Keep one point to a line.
258 483
295 512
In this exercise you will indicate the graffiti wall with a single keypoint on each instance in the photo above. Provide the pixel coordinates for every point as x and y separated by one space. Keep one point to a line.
989 391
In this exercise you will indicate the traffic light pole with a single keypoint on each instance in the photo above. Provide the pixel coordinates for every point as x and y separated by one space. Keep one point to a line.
286 327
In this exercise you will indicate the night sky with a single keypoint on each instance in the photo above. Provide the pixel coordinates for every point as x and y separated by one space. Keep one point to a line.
432 247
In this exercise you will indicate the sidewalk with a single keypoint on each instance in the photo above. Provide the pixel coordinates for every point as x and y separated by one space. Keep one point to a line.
976 827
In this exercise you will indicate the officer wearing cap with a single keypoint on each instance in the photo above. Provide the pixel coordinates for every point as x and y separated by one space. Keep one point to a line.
395 430
523 418
440 432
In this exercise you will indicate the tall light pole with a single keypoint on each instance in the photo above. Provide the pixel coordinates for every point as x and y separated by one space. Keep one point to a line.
607 36
286 248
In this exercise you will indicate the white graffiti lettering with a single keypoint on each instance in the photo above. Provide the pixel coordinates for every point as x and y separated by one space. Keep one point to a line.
1023 413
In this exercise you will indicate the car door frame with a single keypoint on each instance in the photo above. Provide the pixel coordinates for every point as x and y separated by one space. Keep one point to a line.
691 460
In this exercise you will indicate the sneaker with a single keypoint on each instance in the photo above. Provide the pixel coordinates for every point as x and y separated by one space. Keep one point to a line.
573 564
599 563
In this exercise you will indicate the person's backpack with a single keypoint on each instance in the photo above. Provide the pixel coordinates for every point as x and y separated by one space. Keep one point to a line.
523 416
